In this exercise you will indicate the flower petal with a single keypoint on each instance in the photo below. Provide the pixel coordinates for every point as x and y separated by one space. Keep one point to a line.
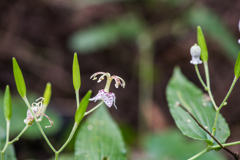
99 96
109 99
29 120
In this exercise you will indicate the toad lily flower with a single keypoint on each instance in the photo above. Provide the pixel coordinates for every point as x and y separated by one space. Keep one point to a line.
37 110
104 94
195 52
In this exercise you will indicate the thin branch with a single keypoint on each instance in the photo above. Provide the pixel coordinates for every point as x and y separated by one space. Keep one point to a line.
236 156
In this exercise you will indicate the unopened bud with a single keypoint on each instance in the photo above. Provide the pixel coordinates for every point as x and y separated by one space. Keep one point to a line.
195 53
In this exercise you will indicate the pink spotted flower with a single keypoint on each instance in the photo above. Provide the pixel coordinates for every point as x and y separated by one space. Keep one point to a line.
108 98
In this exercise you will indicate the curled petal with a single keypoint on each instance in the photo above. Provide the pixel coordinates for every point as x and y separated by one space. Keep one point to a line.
95 74
49 121
118 81
101 78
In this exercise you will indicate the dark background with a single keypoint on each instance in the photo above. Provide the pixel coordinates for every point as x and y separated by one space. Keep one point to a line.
40 35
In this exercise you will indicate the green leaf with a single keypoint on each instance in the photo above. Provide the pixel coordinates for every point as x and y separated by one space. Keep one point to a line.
181 90
76 73
99 137
9 154
7 104
160 147
202 44
19 80
237 67
82 107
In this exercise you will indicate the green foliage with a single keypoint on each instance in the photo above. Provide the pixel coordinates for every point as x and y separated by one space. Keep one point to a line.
76 73
99 137
7 104
106 34
19 80
237 67
202 44
172 145
187 94
214 28
9 154
82 107
19 113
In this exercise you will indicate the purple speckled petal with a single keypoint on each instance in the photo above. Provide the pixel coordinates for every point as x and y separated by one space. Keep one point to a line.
109 99
99 96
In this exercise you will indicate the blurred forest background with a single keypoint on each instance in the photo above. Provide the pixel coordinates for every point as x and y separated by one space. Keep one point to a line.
140 41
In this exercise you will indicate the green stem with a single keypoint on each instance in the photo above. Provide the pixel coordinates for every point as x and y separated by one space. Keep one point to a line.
7 138
199 154
200 78
213 148
208 85
225 145
77 98
229 92
20 134
86 113
223 103
56 156
69 138
74 130
39 126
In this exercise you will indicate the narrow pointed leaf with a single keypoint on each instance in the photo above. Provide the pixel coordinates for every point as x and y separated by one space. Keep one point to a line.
202 44
237 66
181 90
19 80
99 138
76 73
82 107
7 104
47 94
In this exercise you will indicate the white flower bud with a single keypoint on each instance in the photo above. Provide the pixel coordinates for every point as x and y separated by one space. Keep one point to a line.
239 30
195 53
239 25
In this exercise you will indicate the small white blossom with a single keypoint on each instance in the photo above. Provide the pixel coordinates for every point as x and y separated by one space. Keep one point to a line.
239 30
37 110
195 52
108 98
